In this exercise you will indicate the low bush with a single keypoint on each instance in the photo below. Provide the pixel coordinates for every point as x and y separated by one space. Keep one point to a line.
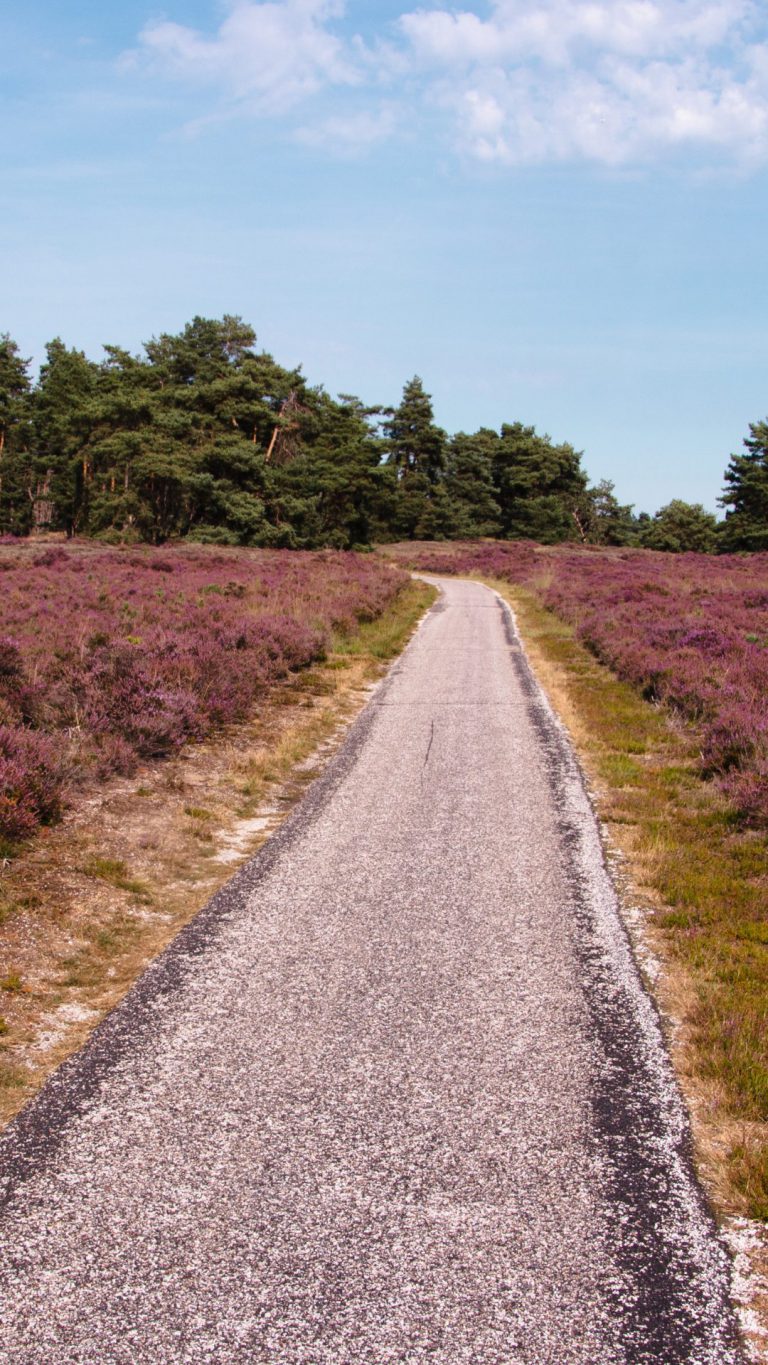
31 781
112 656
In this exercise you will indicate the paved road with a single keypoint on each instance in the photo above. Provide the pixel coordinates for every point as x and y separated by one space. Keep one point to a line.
396 1096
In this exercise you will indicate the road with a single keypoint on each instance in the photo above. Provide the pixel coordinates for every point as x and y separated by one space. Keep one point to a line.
396 1095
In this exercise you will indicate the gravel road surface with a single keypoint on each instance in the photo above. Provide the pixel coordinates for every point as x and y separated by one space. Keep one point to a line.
396 1095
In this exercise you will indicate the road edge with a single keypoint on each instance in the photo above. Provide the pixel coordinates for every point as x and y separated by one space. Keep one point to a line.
31 1139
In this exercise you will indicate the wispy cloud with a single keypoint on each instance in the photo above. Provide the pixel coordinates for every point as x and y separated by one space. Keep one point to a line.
351 134
619 82
268 58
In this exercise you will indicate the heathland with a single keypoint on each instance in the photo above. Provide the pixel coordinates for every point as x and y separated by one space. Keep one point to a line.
150 602
160 712
659 666
108 657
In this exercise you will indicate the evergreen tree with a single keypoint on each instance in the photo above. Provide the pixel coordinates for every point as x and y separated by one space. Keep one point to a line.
602 520
112 486
746 495
416 450
177 439
681 526
538 485
14 390
201 435
416 445
343 470
63 414
16 475
469 484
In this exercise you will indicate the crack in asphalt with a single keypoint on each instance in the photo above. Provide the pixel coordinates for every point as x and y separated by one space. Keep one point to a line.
429 748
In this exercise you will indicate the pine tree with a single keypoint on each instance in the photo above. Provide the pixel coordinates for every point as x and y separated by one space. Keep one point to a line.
62 419
416 445
681 526
601 519
538 485
349 491
16 476
469 484
746 497
416 450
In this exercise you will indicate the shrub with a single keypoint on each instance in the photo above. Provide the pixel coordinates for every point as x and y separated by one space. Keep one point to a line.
689 631
31 779
111 655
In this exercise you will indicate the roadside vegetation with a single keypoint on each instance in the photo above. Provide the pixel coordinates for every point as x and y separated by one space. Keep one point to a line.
689 632
659 667
108 657
95 895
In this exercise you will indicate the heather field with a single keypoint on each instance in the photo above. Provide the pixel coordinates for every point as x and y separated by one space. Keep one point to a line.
111 656
690 631
612 630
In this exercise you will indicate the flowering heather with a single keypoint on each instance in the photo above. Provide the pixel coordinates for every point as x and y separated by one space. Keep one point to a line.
108 656
690 631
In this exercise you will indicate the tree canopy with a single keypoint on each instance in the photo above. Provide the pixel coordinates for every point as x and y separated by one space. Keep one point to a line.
746 494
680 526
202 435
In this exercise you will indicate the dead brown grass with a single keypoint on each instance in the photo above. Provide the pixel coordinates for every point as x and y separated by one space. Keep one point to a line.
91 901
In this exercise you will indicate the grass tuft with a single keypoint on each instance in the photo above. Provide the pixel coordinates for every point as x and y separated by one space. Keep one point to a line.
11 1077
115 873
197 813
748 1165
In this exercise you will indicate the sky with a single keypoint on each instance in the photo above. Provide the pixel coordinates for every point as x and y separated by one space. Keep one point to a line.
554 213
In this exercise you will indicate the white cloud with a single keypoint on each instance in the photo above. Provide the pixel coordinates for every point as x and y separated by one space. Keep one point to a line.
269 57
561 31
616 82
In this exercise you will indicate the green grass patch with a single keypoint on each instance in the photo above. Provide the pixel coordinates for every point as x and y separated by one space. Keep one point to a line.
620 770
115 873
383 638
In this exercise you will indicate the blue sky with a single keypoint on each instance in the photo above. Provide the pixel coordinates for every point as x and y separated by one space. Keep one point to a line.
552 213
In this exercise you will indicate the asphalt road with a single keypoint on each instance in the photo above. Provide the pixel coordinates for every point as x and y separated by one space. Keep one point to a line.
397 1095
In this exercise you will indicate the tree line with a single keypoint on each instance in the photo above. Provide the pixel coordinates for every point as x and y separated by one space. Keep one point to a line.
204 437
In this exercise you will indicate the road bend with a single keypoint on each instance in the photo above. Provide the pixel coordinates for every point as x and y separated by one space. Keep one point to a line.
396 1095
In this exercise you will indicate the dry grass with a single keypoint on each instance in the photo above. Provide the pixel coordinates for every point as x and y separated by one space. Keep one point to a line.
93 900
695 890
700 879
